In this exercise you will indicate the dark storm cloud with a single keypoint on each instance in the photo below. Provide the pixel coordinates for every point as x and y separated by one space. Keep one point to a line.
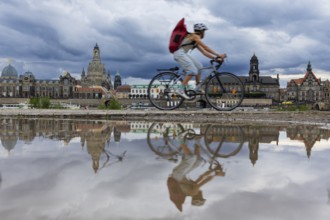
27 32
133 38
130 34
254 13
286 34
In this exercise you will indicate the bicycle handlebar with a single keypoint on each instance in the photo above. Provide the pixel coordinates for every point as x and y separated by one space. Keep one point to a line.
218 63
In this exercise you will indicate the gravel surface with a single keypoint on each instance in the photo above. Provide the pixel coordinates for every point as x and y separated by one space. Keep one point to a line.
270 117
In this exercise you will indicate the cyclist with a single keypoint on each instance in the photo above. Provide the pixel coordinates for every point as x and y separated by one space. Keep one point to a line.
191 66
180 185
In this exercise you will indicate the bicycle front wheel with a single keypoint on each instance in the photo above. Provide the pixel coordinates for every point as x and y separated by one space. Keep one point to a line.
224 91
161 91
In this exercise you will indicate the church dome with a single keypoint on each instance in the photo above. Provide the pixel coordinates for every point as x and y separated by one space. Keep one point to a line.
9 71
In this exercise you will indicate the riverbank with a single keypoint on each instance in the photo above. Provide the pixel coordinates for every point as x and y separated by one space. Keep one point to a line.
270 117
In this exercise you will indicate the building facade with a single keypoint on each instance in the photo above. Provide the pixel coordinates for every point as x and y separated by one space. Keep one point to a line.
95 84
96 72
326 90
264 86
27 86
307 89
117 81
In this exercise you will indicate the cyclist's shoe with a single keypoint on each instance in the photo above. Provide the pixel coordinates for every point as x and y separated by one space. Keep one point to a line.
200 91
181 93
183 134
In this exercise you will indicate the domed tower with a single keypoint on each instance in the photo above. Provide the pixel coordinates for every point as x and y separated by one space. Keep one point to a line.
117 81
96 73
10 82
254 69
9 72
28 84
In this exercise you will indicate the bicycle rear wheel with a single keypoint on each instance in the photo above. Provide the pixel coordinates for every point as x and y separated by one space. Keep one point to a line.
161 91
224 91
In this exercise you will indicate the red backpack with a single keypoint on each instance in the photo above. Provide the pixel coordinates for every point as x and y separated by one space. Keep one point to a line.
178 34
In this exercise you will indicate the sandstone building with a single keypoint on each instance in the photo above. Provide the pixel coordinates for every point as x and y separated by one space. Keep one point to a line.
309 88
93 85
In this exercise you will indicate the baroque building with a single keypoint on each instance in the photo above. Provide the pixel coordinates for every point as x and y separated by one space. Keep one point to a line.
95 84
264 86
117 81
307 89
27 86
96 72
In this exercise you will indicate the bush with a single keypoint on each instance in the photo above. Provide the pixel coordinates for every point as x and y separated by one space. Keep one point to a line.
293 107
34 102
112 104
43 102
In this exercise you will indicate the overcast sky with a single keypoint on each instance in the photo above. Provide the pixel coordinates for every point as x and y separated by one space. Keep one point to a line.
48 37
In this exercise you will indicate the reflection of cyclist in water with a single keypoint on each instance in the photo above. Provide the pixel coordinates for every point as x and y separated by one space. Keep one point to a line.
180 185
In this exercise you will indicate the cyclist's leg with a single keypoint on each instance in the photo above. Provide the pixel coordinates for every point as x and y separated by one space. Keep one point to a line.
198 74
189 65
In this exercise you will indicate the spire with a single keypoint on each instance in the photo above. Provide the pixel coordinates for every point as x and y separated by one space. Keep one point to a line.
309 66
10 61
83 72
254 58
96 55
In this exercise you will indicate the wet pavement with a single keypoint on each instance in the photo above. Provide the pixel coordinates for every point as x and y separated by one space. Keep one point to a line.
99 169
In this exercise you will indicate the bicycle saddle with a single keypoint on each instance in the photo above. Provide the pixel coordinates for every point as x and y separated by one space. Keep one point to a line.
170 69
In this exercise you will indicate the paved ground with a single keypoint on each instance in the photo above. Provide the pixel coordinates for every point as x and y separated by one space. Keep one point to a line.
206 115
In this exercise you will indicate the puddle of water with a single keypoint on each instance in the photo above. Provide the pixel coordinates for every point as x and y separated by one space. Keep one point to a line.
73 169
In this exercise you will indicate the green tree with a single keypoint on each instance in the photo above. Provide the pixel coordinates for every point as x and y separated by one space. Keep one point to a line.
43 102
113 104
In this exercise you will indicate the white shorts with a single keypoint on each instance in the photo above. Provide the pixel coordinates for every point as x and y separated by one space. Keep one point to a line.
189 65
187 164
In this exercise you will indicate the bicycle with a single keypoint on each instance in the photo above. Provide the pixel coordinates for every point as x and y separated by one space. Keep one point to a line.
224 91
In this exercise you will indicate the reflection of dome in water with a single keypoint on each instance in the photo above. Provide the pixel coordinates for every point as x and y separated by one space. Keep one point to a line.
9 71
9 144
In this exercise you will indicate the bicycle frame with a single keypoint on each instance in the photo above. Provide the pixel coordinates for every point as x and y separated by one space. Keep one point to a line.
212 67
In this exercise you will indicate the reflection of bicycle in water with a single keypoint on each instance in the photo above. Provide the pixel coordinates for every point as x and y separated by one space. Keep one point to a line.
171 140
220 140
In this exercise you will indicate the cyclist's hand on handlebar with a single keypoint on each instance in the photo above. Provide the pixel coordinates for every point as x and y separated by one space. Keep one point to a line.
221 57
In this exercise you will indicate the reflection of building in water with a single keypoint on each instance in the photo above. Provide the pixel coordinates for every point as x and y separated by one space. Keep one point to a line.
8 134
308 135
140 127
120 127
116 134
255 135
95 135
143 127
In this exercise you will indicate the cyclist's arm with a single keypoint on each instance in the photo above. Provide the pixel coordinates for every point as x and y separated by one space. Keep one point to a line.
205 50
